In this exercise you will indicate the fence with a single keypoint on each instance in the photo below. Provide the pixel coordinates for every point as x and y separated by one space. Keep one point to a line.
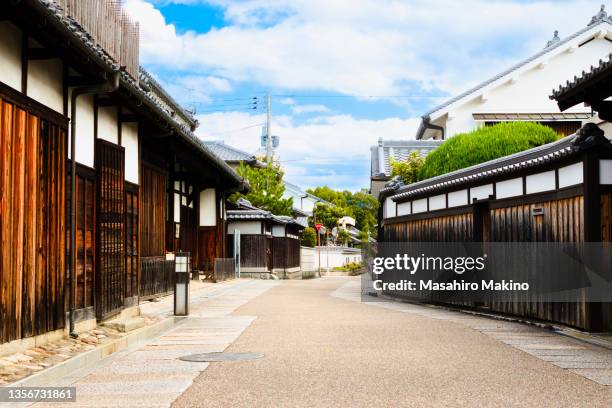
156 277
225 269
110 27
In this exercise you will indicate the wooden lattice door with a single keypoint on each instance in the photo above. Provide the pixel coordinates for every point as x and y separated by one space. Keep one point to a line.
111 270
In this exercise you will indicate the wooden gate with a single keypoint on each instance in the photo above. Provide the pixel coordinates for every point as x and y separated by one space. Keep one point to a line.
111 273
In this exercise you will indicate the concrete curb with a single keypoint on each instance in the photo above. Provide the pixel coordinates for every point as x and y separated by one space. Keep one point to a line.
91 357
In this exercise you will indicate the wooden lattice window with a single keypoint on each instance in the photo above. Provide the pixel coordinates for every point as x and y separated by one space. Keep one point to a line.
111 273
131 240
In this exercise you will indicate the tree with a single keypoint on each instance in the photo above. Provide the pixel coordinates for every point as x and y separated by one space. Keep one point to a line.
409 169
267 188
365 210
308 237
343 236
329 215
360 205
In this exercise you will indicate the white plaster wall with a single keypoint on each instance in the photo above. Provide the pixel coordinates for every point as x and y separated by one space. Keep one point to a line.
529 94
419 206
509 188
481 192
458 198
208 209
278 230
107 124
403 208
389 208
331 257
45 83
245 227
541 182
129 141
605 171
437 202
84 145
177 207
10 55
570 175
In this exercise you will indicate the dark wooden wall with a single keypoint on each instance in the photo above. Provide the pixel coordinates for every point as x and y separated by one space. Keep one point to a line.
85 235
154 186
285 252
449 228
156 274
32 222
210 246
253 250
559 220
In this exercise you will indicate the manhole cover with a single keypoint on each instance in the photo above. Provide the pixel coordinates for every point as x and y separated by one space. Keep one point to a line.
213 357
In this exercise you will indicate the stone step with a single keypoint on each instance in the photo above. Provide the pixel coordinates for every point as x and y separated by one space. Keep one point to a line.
126 324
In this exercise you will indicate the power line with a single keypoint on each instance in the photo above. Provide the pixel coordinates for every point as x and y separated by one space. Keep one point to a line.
229 109
238 130
358 96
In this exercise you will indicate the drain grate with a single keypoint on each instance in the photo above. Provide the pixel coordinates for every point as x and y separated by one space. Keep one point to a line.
217 357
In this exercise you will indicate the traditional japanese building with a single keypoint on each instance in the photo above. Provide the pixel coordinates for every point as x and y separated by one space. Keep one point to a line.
101 174
388 151
520 92
269 244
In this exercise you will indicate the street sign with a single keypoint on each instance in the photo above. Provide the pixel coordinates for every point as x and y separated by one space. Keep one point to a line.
318 226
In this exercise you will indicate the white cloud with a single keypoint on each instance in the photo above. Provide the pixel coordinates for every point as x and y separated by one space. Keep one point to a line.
299 109
334 150
362 47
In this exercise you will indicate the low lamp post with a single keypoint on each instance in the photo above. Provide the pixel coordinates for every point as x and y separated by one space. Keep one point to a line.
182 269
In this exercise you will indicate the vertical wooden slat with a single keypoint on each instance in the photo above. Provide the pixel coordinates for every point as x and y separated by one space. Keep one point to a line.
18 180
6 221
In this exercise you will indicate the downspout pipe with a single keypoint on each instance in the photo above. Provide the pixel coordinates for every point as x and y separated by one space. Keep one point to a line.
109 86
426 124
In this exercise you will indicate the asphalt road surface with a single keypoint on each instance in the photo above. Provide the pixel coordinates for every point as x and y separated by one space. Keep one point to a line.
325 351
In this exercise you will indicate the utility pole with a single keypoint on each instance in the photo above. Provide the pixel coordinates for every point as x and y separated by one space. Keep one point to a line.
268 132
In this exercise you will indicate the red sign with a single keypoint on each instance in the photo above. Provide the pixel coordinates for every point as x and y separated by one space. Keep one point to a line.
318 226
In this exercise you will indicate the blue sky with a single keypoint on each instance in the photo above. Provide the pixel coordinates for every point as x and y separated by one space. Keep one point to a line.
342 73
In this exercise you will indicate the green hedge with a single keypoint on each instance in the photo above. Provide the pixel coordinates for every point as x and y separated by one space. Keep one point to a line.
484 144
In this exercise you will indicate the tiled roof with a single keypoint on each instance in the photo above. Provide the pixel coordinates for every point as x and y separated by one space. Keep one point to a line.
532 116
399 150
151 96
229 153
578 80
247 211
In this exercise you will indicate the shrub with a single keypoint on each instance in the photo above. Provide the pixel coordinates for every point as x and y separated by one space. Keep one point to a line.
409 169
308 237
481 145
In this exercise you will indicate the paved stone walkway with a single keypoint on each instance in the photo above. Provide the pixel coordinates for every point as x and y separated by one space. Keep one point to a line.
151 375
592 362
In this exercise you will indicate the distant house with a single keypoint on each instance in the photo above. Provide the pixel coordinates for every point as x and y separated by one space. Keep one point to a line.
269 244
520 92
387 151
231 155
302 201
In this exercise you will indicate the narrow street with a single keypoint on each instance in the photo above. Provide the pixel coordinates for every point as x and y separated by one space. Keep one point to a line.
323 347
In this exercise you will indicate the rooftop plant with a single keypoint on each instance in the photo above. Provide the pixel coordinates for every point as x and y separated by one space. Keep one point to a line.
484 144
